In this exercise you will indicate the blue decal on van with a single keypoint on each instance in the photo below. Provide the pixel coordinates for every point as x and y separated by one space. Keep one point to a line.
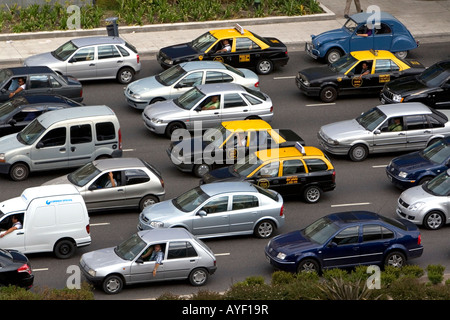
53 201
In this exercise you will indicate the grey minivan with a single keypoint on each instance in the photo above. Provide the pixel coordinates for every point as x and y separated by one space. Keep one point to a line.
183 257
91 58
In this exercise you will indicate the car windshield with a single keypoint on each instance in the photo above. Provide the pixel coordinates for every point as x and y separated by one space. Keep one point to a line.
9 106
321 230
5 74
371 119
433 76
203 42
130 248
83 175
250 164
438 186
237 71
343 64
31 132
64 51
350 25
437 152
190 200
169 76
189 99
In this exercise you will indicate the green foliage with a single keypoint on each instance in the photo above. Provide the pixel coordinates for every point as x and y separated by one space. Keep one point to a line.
435 273
16 293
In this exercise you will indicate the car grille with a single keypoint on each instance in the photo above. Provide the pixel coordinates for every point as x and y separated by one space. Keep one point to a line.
389 95
146 116
301 78
144 218
403 203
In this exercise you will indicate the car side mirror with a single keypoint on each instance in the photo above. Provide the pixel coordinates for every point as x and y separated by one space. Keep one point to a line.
350 74
332 244
39 145
92 187
198 109
377 131
139 260
12 122
202 213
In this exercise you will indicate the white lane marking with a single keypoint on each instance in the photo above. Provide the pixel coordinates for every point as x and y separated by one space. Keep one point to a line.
350 204
380 166
222 254
100 224
128 150
282 78
320 104
41 269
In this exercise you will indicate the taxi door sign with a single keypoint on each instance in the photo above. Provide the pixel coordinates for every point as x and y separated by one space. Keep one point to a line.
356 82
244 58
219 58
384 78
291 180
263 183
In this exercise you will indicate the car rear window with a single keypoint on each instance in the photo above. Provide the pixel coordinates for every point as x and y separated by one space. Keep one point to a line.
256 93
393 222
105 131
272 195
131 47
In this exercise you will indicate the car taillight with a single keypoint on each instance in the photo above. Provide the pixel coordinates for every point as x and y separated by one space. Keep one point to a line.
81 92
286 52
419 240
333 177
137 58
282 210
25 268
88 228
162 182
271 109
257 84
120 139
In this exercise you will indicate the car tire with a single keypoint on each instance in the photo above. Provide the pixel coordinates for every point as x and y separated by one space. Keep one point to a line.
113 284
312 194
125 75
264 66
328 94
64 249
156 100
358 152
333 55
308 265
264 229
401 54
434 220
201 169
19 171
171 127
425 180
395 259
147 201
198 277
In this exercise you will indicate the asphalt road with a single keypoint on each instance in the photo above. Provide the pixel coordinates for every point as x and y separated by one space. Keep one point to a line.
360 186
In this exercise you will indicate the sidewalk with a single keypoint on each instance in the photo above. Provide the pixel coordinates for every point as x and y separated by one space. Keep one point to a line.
427 21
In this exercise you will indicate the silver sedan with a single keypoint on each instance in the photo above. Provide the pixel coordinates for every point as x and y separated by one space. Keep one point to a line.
207 106
219 209
173 82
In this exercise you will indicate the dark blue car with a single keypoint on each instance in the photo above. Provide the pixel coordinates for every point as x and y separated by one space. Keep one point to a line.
361 32
418 167
346 239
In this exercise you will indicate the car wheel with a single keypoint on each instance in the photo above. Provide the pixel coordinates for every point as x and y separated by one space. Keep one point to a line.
312 194
201 169
156 100
264 229
147 201
264 66
395 259
19 172
308 265
198 277
425 180
434 220
113 284
401 54
328 94
333 55
64 249
171 127
358 152
125 75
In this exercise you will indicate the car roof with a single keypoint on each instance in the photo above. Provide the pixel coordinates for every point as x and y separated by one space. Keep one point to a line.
41 99
88 41
118 163
219 88
401 109
287 152
229 33
245 125
372 54
48 191
49 118
206 64
364 17
212 189
353 216
164 234
18 71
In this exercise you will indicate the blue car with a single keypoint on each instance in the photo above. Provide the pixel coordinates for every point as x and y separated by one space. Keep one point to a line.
418 167
346 239
361 33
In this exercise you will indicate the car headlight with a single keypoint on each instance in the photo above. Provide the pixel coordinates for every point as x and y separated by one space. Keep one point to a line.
136 95
281 255
402 174
2 157
157 224
92 272
416 206
397 98
156 120
168 61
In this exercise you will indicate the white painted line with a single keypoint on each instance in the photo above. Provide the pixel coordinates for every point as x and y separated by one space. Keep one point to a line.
41 269
221 254
380 166
320 104
350 204
128 150
100 224
282 78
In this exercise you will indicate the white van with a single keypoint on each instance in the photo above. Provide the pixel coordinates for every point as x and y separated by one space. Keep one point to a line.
61 139
53 218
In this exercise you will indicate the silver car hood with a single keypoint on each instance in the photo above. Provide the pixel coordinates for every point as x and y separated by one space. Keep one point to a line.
42 59
144 85
163 210
164 109
414 194
61 180
102 258
10 143
343 129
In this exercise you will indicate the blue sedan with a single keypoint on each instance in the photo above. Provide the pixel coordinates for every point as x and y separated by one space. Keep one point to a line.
360 32
418 167
346 239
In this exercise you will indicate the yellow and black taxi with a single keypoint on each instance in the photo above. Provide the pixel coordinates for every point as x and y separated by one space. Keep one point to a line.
227 144
359 72
245 49
295 170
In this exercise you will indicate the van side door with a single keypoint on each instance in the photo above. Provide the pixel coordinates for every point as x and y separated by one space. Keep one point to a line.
81 144
50 152
15 239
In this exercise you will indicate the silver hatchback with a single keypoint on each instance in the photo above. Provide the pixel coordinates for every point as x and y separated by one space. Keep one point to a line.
116 183
219 209
207 106
172 83
183 256
92 58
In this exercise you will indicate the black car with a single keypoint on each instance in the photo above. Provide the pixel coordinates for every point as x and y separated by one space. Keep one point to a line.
38 80
247 50
227 144
15 269
431 87
348 76
19 111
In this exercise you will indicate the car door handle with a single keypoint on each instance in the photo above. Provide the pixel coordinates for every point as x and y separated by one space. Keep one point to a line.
401 134
92 65
62 150
73 149
216 113
427 131
119 61
20 233
119 190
